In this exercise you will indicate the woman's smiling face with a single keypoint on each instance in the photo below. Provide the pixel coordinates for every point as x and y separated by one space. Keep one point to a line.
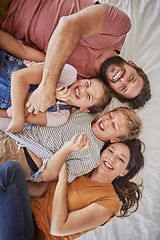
114 160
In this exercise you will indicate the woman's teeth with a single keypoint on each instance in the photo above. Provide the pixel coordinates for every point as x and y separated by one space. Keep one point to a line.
108 165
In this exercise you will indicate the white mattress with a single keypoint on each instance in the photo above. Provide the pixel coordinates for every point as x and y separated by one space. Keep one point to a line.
143 47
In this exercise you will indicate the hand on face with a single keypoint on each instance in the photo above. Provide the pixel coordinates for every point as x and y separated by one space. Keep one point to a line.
62 93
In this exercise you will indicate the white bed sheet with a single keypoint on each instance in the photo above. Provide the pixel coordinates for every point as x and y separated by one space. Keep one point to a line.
143 47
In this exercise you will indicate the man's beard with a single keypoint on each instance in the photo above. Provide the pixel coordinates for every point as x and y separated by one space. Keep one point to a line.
117 60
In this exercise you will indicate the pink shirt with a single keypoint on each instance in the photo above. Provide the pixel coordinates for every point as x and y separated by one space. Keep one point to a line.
35 25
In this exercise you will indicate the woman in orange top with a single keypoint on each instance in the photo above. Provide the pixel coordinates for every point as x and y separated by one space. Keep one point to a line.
68 211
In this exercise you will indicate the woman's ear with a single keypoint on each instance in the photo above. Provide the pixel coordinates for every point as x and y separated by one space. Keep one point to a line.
132 63
124 173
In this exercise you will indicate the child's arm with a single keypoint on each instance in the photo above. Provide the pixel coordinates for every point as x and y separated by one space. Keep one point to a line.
62 94
9 44
56 119
56 161
39 119
20 83
3 113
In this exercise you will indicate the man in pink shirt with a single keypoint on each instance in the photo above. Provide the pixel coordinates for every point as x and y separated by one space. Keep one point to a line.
83 34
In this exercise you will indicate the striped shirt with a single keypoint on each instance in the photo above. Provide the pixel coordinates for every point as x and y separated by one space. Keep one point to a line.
45 141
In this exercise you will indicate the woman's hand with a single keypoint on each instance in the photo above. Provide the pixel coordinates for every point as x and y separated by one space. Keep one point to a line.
63 172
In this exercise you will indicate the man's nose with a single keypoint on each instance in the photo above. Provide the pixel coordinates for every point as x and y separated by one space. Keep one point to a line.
110 122
123 79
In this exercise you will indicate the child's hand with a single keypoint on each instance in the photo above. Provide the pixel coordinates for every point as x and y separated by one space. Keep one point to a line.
62 93
9 112
78 144
16 125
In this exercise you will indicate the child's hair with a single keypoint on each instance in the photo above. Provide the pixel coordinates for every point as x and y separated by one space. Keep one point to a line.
133 123
129 192
104 101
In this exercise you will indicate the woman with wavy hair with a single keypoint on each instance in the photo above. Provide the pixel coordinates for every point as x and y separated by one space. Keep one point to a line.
66 211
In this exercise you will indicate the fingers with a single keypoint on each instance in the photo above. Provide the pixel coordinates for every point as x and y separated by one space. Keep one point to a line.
62 93
28 104
38 106
9 112
73 139
40 101
60 88
81 143
87 145
31 108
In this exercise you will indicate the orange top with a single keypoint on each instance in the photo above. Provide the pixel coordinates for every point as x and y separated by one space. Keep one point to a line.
81 192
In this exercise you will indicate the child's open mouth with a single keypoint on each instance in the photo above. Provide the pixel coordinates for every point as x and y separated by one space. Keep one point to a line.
76 92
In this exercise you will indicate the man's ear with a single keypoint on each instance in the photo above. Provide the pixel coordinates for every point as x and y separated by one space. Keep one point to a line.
84 110
124 173
132 63
115 140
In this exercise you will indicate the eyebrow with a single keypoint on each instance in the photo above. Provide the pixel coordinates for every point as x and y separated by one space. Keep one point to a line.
90 86
91 93
120 154
116 125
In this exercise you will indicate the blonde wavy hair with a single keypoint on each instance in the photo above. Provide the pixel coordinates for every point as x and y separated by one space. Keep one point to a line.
133 123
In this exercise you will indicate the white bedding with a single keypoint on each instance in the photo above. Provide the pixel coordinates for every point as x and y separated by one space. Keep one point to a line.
143 47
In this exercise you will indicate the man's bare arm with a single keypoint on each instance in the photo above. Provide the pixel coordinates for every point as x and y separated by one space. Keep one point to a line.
10 45
63 42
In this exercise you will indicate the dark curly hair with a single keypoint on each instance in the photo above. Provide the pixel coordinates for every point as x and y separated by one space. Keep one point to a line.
129 192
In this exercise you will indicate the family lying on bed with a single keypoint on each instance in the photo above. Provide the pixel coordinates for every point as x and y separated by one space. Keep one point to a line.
92 159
